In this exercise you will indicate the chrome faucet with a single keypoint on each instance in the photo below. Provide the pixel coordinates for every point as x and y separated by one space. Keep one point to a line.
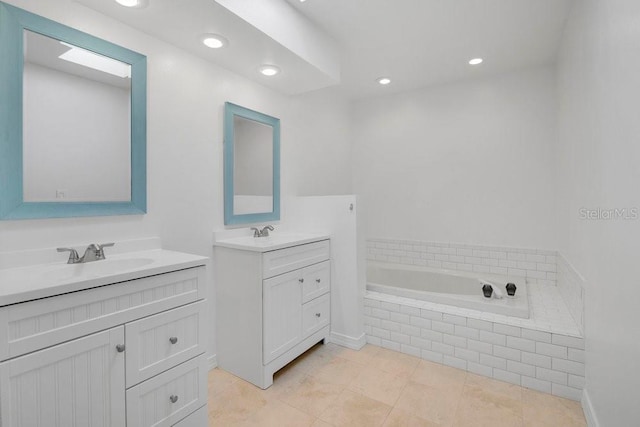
94 252
262 233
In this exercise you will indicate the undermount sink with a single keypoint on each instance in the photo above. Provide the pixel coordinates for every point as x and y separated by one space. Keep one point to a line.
96 268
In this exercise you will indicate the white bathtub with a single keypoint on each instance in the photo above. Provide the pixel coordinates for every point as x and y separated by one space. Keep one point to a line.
447 287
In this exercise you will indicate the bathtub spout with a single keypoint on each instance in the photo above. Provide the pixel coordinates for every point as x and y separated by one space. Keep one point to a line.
497 293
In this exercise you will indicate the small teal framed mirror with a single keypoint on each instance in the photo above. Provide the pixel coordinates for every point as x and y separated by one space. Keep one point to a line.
251 166
73 122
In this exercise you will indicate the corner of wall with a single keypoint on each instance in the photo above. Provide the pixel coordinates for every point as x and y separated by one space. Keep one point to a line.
212 361
589 412
571 285
354 343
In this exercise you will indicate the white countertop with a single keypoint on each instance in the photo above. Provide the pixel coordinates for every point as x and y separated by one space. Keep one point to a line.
271 243
46 280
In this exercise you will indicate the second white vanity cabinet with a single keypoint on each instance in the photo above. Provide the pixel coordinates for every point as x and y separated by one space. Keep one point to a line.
127 353
273 304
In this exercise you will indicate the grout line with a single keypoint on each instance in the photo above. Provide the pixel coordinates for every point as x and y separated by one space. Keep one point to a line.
387 416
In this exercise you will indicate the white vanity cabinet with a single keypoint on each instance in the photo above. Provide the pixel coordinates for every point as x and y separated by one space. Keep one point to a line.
129 353
272 305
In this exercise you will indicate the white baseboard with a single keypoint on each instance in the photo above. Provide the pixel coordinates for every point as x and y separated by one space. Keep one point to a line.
587 408
212 361
347 341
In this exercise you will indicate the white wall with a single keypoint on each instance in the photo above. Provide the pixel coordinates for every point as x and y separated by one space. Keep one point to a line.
598 84
468 162
340 217
186 98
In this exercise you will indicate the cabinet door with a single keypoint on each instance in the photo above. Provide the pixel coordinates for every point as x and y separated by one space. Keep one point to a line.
282 306
79 383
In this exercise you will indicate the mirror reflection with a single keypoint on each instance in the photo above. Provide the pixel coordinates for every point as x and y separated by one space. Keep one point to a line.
76 124
253 166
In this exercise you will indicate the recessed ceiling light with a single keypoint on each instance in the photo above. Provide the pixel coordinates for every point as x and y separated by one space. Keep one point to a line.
476 61
214 41
269 70
132 3
383 80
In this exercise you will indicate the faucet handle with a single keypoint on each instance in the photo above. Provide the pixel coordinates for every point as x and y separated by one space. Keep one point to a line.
73 255
100 249
256 232
265 230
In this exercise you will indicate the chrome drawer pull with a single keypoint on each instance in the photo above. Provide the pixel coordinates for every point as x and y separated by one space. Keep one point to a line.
301 280
173 340
120 348
173 398
317 314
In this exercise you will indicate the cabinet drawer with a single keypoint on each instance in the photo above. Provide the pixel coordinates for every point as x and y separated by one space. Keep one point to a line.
197 419
316 281
284 260
316 314
45 322
157 343
169 397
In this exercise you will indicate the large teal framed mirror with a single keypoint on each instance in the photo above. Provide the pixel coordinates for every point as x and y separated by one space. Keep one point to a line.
72 122
251 166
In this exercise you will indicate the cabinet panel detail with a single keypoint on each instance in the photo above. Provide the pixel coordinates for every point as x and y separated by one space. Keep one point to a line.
41 323
317 280
156 343
282 303
79 383
283 260
198 419
169 397
316 314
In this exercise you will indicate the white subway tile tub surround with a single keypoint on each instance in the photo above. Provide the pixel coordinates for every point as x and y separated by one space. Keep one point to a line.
545 352
571 287
537 265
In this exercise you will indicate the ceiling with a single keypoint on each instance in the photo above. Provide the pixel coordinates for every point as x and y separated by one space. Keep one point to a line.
183 22
416 43
424 42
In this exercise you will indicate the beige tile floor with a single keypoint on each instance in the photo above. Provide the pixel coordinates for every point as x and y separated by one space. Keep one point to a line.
335 386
